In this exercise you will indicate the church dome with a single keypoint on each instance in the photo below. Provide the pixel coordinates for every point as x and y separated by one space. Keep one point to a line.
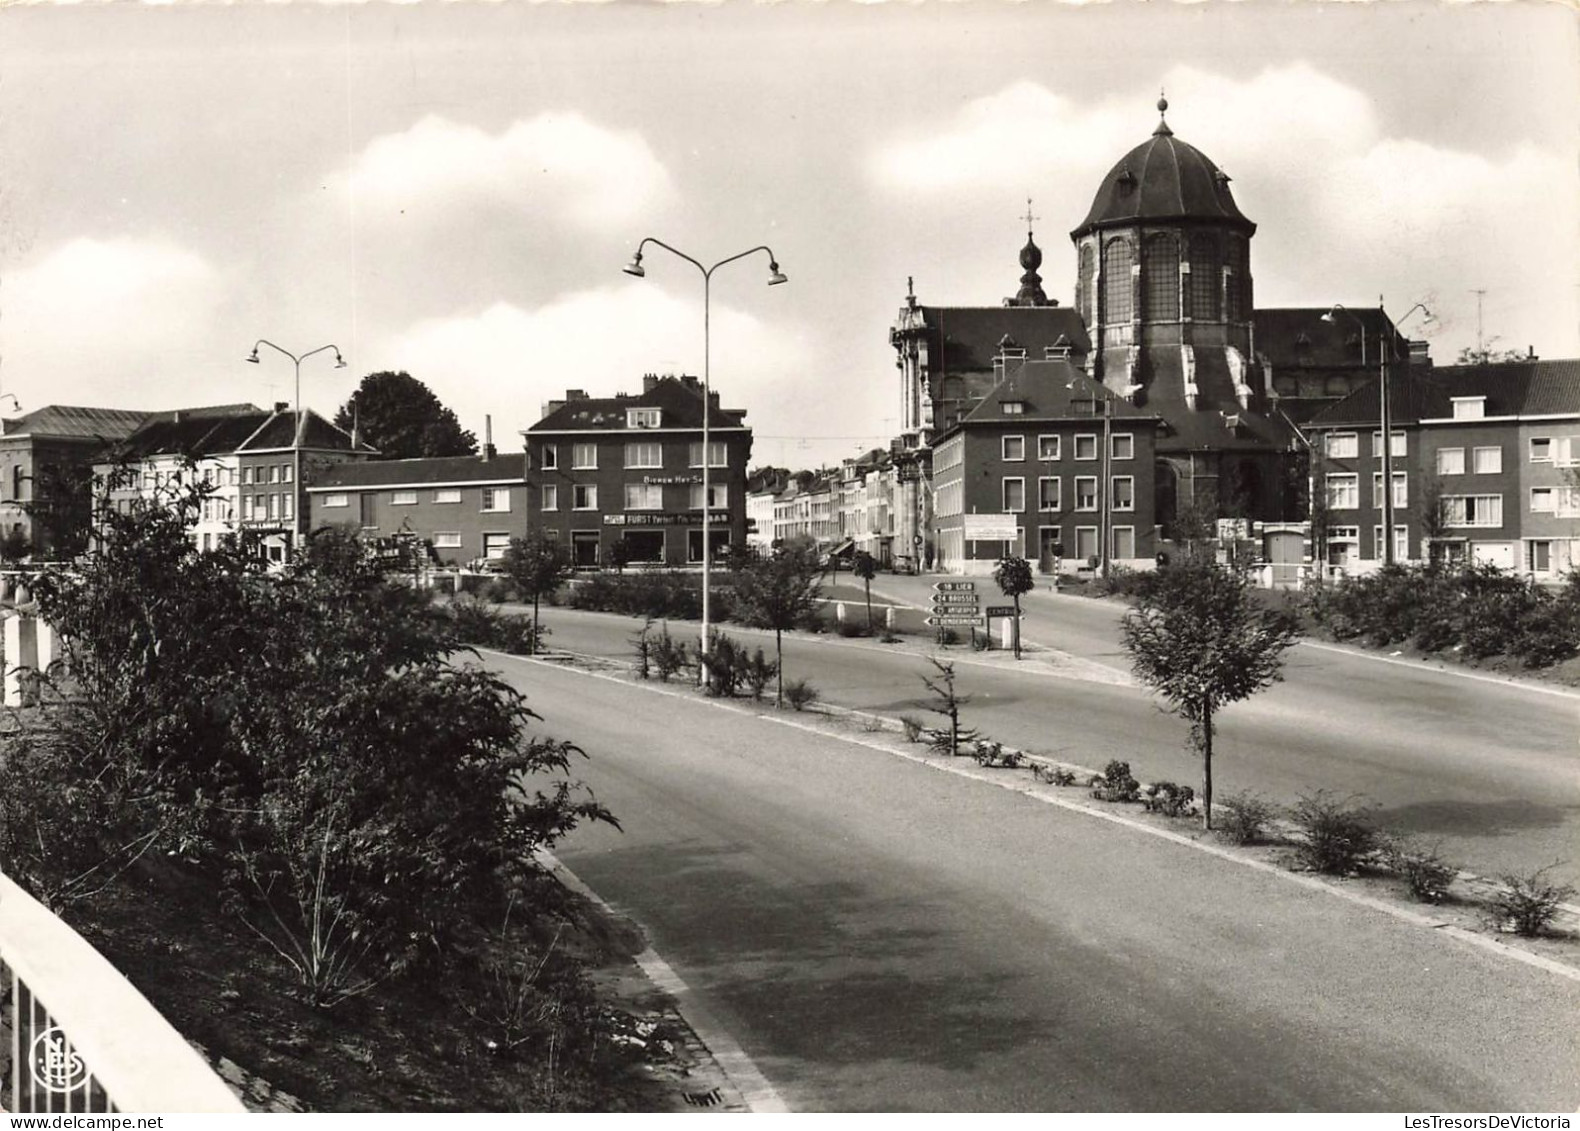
1163 179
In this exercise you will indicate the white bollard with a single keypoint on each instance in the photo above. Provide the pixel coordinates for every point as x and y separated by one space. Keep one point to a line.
888 617
839 611
21 659
1007 631
48 646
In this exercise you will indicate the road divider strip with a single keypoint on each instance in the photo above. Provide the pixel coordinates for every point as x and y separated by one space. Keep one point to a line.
1032 791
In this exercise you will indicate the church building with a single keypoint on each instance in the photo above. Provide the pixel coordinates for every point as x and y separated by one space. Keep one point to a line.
1164 319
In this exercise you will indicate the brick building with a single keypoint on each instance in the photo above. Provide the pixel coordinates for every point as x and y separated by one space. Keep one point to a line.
1046 465
1486 466
627 470
465 507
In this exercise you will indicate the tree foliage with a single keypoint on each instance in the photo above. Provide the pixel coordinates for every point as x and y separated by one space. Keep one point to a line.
779 590
1199 639
1013 577
537 566
865 566
304 737
401 417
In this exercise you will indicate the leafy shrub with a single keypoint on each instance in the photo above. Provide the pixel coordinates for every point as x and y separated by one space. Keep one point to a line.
849 629
1336 836
1116 783
669 655
913 727
801 694
989 752
755 671
481 625
1426 874
1244 818
1527 905
723 664
1053 775
947 636
497 590
657 593
644 650
981 642
1170 799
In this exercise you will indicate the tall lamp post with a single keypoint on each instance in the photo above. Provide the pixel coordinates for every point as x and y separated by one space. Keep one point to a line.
296 436
775 277
1384 349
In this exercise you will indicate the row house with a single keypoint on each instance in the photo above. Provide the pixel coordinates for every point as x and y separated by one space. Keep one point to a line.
866 513
1050 466
253 463
465 509
1485 468
628 471
807 509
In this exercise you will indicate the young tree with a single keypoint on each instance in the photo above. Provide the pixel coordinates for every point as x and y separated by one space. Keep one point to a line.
865 566
1013 576
1434 517
779 591
1199 639
537 566
401 417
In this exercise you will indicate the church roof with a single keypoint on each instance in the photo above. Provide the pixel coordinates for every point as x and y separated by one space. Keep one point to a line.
970 337
1163 178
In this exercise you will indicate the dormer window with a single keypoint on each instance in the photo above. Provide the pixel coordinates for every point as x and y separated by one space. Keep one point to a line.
1013 408
1469 408
643 417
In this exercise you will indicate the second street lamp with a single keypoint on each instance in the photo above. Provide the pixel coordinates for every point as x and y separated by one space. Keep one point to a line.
297 494
775 277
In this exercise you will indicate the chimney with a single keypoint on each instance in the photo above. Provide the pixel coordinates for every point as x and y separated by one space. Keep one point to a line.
575 395
1420 353
649 382
282 406
488 438
175 417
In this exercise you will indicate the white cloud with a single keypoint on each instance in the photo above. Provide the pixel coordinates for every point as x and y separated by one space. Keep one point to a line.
556 165
1344 211
91 310
507 361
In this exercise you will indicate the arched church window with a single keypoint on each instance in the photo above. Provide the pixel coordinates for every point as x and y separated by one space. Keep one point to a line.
1206 278
1118 304
1083 285
1160 278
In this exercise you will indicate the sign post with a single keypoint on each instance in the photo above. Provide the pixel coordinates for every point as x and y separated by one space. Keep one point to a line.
956 604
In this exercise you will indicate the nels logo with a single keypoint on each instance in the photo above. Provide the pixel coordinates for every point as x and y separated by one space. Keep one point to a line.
56 1067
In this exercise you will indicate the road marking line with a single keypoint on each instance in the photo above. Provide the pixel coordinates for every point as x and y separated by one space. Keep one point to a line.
1416 918
756 1092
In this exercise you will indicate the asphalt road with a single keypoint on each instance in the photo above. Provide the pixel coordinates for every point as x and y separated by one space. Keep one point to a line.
881 936
1487 769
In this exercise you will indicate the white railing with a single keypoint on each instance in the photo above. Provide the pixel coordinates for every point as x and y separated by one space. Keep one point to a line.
75 1036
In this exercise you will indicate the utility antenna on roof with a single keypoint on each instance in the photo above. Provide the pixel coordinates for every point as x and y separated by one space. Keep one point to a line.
1481 346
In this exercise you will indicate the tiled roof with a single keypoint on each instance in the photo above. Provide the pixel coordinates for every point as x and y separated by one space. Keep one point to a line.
1297 336
1050 390
416 472
280 429
194 436
969 337
1516 388
1207 426
76 422
682 409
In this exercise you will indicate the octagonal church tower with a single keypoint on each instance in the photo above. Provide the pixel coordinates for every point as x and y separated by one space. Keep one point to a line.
1163 284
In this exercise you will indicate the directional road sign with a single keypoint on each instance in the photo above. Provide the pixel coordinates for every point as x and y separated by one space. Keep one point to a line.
1001 610
954 622
954 586
955 598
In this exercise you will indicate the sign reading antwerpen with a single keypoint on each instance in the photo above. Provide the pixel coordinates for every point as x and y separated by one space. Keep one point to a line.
991 528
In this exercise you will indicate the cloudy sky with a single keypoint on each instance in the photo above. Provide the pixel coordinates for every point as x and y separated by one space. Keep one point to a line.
451 189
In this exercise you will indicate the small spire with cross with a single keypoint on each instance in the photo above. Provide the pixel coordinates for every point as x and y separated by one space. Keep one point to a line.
1029 218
